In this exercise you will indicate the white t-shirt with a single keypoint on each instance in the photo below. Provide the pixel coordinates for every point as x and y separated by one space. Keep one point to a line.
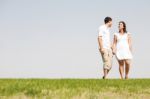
105 34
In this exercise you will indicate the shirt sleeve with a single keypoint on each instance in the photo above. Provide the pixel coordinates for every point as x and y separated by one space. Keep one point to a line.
100 32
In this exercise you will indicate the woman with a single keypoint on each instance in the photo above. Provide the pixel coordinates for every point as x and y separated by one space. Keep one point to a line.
122 49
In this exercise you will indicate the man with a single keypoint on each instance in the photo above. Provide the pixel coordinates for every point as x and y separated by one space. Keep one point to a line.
105 45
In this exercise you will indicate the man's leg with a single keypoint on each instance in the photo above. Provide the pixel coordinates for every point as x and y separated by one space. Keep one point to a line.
108 63
105 73
105 63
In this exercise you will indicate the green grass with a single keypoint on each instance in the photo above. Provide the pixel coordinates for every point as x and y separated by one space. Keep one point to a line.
74 89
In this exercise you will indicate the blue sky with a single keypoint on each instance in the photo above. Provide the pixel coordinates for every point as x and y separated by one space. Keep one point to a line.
58 38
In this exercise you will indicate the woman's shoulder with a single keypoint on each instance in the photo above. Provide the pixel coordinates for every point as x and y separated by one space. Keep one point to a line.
116 33
129 34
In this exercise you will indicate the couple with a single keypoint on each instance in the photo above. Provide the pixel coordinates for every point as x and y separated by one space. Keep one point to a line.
121 47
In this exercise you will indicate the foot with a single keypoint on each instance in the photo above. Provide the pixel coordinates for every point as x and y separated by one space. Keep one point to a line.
121 77
104 77
126 77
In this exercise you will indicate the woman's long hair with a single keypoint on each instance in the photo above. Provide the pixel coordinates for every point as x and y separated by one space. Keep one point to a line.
124 25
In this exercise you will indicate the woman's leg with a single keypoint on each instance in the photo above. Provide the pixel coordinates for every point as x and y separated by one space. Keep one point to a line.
121 67
127 67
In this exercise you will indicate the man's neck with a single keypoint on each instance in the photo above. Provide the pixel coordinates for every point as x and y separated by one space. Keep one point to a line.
107 25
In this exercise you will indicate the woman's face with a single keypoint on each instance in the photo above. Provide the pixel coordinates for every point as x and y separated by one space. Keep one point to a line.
120 26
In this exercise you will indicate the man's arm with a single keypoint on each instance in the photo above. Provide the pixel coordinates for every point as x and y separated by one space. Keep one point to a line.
100 42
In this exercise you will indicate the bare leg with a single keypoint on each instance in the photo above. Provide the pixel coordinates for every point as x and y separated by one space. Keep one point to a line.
127 67
121 68
106 71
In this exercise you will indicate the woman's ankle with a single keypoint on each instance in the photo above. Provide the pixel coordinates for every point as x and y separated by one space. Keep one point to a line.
126 77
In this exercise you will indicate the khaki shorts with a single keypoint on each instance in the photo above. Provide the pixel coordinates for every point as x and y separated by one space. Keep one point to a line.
107 58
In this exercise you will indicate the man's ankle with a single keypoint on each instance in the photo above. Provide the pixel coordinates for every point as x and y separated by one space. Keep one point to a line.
104 77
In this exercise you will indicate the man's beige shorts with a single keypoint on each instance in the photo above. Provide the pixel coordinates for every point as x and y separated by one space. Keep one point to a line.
107 58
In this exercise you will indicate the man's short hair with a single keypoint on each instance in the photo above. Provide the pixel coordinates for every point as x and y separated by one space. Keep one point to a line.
107 19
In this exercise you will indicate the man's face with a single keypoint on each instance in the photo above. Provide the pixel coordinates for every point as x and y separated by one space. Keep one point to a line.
109 23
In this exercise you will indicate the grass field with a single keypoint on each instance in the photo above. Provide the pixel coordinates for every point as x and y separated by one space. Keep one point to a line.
74 89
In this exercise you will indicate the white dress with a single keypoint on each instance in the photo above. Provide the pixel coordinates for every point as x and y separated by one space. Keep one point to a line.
122 47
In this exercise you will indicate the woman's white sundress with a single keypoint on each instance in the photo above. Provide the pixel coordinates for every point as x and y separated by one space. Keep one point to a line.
122 47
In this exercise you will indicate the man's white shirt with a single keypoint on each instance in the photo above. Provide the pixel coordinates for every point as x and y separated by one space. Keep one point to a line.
104 32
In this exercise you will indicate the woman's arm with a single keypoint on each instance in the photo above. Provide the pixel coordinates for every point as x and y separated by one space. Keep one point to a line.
129 41
114 44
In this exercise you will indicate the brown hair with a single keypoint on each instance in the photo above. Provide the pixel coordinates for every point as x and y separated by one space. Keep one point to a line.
124 25
107 19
